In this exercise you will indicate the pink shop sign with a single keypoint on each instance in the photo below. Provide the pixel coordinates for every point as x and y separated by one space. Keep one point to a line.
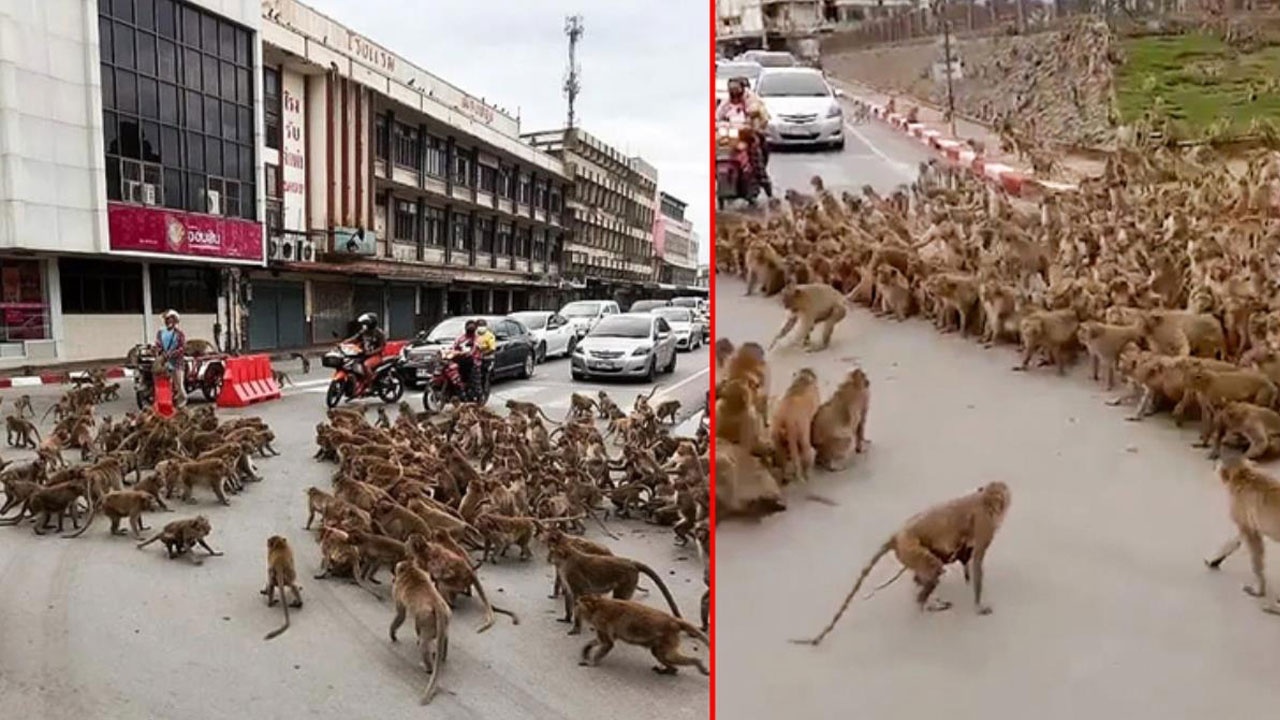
170 232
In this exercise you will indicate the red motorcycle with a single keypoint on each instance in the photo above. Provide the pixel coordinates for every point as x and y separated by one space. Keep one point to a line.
737 177
383 382
446 384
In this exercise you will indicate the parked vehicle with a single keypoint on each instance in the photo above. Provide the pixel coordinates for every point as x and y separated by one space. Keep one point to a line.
515 354
701 308
736 176
384 383
803 108
552 332
445 384
644 306
685 324
730 70
584 314
203 374
628 345
769 58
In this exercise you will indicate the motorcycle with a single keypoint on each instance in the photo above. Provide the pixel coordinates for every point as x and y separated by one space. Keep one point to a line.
446 385
736 174
203 374
384 382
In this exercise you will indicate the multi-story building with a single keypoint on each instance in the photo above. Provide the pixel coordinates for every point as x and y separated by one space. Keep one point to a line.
613 207
390 190
770 24
704 277
130 172
675 244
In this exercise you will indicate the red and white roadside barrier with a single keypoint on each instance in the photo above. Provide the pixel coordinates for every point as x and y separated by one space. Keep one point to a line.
57 378
1014 181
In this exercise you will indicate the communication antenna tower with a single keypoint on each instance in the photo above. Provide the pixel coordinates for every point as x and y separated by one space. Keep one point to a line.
573 76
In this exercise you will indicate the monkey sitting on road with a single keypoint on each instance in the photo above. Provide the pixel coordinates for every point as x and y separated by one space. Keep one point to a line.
959 530
281 574
638 624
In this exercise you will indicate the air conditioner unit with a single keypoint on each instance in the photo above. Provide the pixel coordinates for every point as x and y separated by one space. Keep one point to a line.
214 199
289 249
150 194
274 247
132 191
306 251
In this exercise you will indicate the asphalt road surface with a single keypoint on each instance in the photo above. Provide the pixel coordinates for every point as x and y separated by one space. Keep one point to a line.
93 627
1102 605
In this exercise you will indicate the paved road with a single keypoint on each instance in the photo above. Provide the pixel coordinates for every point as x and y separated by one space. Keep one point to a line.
95 628
1102 605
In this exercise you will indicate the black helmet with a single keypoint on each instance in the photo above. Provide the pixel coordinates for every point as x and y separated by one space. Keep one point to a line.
368 320
470 326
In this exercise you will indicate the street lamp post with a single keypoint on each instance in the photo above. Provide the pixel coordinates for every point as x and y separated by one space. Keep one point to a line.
946 49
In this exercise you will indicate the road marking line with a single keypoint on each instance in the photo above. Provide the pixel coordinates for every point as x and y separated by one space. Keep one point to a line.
671 388
902 168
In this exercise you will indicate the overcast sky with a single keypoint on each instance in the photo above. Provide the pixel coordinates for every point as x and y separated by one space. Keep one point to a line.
645 66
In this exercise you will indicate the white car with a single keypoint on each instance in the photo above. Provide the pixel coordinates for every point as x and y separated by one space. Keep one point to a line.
553 333
730 70
803 108
628 345
685 324
584 314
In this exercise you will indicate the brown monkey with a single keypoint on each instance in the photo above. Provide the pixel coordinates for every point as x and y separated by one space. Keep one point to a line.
793 421
1212 389
1180 332
556 536
375 552
666 411
583 574
212 473
737 417
724 350
281 377
1259 427
21 432
893 292
1053 331
413 591
23 406
748 365
637 624
812 304
119 505
528 409
1105 343
608 408
280 575
501 532
452 573
181 536
582 406
317 504
841 422
1255 509
959 530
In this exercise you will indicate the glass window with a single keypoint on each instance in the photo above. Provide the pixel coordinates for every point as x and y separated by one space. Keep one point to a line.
129 144
435 156
169 103
195 151
406 146
227 41
212 115
99 287
271 106
146 54
172 188
190 26
165 15
104 39
231 160
194 115
167 60
110 133
126 92
150 139
122 41
209 71
406 219
148 98
435 226
113 178
229 122
187 289
213 155
244 88
460 223
208 34
121 9
191 68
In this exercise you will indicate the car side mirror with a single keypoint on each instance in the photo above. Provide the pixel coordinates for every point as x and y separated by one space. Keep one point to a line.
663 335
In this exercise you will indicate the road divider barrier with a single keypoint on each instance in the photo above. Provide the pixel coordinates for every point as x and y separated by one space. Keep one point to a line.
248 380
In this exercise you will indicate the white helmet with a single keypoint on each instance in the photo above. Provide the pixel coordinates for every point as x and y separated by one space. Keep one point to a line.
171 314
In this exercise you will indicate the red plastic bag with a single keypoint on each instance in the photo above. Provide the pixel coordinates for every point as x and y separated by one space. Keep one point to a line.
164 396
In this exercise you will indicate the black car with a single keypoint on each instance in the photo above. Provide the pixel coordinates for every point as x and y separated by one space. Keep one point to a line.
514 357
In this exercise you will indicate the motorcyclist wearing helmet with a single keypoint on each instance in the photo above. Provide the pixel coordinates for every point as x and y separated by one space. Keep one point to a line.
467 349
488 346
371 340
745 108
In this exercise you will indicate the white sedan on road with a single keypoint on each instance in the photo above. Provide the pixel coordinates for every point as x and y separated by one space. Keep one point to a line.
803 108
628 345
685 324
554 334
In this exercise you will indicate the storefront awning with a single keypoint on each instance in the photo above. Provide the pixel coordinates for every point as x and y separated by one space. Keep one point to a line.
418 273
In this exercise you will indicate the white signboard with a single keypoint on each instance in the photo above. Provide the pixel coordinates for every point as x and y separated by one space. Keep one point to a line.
293 158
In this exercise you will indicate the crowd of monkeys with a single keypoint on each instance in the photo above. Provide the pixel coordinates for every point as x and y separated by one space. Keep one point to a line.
1162 271
417 497
413 496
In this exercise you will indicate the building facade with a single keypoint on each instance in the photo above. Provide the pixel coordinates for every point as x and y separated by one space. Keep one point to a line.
675 244
612 208
129 172
389 190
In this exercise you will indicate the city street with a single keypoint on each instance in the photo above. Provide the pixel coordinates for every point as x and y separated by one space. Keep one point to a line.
93 627
1102 604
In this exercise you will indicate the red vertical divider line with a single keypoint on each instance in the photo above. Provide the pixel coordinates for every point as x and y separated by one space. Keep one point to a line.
711 298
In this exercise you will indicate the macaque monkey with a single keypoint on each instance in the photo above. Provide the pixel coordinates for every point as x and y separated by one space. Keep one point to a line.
21 432
1258 427
582 574
840 423
23 406
181 536
1053 331
1105 343
793 421
666 411
959 530
414 592
812 305
280 575
1255 510
122 504
637 624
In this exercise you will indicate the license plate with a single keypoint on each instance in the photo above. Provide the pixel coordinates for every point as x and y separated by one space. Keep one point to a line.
605 365
423 373
801 134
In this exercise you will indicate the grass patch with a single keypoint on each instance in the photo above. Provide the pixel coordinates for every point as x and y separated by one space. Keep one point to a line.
1200 80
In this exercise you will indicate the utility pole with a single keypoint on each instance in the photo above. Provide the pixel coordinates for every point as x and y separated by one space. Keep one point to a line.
573 76
946 49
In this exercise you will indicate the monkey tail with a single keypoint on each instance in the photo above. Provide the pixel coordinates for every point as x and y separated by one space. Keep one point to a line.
885 584
93 513
884 549
442 644
47 411
543 413
154 538
661 586
488 607
694 632
284 603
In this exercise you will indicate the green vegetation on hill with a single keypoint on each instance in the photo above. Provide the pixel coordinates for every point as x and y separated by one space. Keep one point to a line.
1201 83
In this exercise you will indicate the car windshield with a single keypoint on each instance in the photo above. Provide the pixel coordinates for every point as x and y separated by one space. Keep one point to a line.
727 72
531 320
680 315
775 60
792 84
647 305
447 330
581 309
623 327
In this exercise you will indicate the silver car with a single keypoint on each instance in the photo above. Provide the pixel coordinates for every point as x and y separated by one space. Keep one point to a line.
584 314
685 323
803 108
730 70
627 345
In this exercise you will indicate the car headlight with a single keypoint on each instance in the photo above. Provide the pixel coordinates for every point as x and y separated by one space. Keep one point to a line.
835 111
641 351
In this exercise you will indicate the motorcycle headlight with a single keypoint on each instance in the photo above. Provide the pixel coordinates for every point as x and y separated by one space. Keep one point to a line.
641 351
835 111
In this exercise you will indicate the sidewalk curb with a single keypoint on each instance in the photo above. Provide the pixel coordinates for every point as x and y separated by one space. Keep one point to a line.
58 378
